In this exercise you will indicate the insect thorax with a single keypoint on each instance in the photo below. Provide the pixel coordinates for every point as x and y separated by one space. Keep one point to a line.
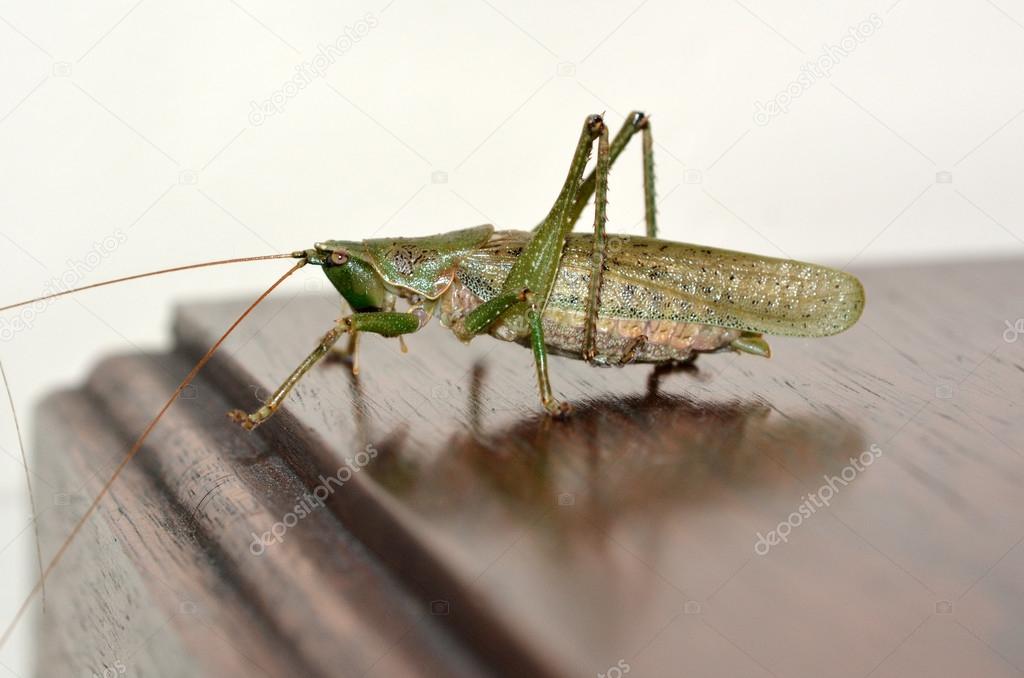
426 265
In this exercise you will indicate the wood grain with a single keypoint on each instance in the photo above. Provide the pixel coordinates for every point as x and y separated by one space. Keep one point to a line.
484 539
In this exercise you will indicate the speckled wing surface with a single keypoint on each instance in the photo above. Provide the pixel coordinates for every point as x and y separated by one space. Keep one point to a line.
646 278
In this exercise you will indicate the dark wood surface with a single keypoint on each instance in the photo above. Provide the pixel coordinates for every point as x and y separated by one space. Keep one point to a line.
484 539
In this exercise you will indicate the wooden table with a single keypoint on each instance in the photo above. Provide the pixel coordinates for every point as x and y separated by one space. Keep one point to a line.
472 536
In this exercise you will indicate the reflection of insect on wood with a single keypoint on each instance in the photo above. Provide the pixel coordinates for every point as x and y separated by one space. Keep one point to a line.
609 300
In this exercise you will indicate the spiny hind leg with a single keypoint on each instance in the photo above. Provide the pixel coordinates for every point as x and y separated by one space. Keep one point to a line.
637 121
384 323
650 207
527 285
537 266
597 259
599 246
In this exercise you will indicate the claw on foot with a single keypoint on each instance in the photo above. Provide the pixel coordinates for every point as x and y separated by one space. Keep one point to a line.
243 419
558 409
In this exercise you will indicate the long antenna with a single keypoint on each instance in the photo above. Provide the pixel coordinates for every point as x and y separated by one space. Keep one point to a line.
136 446
28 478
187 267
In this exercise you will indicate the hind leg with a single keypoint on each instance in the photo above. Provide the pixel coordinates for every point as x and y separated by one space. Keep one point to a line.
600 244
636 121
526 288
597 184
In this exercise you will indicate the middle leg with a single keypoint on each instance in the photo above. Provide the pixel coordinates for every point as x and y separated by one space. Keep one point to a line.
555 408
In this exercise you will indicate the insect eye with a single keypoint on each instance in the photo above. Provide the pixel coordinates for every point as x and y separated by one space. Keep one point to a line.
339 258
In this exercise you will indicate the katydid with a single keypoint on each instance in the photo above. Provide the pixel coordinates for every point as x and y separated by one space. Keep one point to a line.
606 299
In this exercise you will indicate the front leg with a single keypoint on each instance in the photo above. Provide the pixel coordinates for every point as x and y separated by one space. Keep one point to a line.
348 355
384 323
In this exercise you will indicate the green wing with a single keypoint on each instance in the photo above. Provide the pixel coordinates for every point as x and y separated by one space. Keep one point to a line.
647 279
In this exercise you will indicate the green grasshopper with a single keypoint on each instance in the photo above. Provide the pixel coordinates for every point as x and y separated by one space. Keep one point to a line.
607 300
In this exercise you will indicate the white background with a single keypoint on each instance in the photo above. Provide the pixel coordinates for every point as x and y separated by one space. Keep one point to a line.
132 119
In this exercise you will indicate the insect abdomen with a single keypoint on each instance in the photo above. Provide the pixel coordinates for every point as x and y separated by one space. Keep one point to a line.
618 334
644 341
